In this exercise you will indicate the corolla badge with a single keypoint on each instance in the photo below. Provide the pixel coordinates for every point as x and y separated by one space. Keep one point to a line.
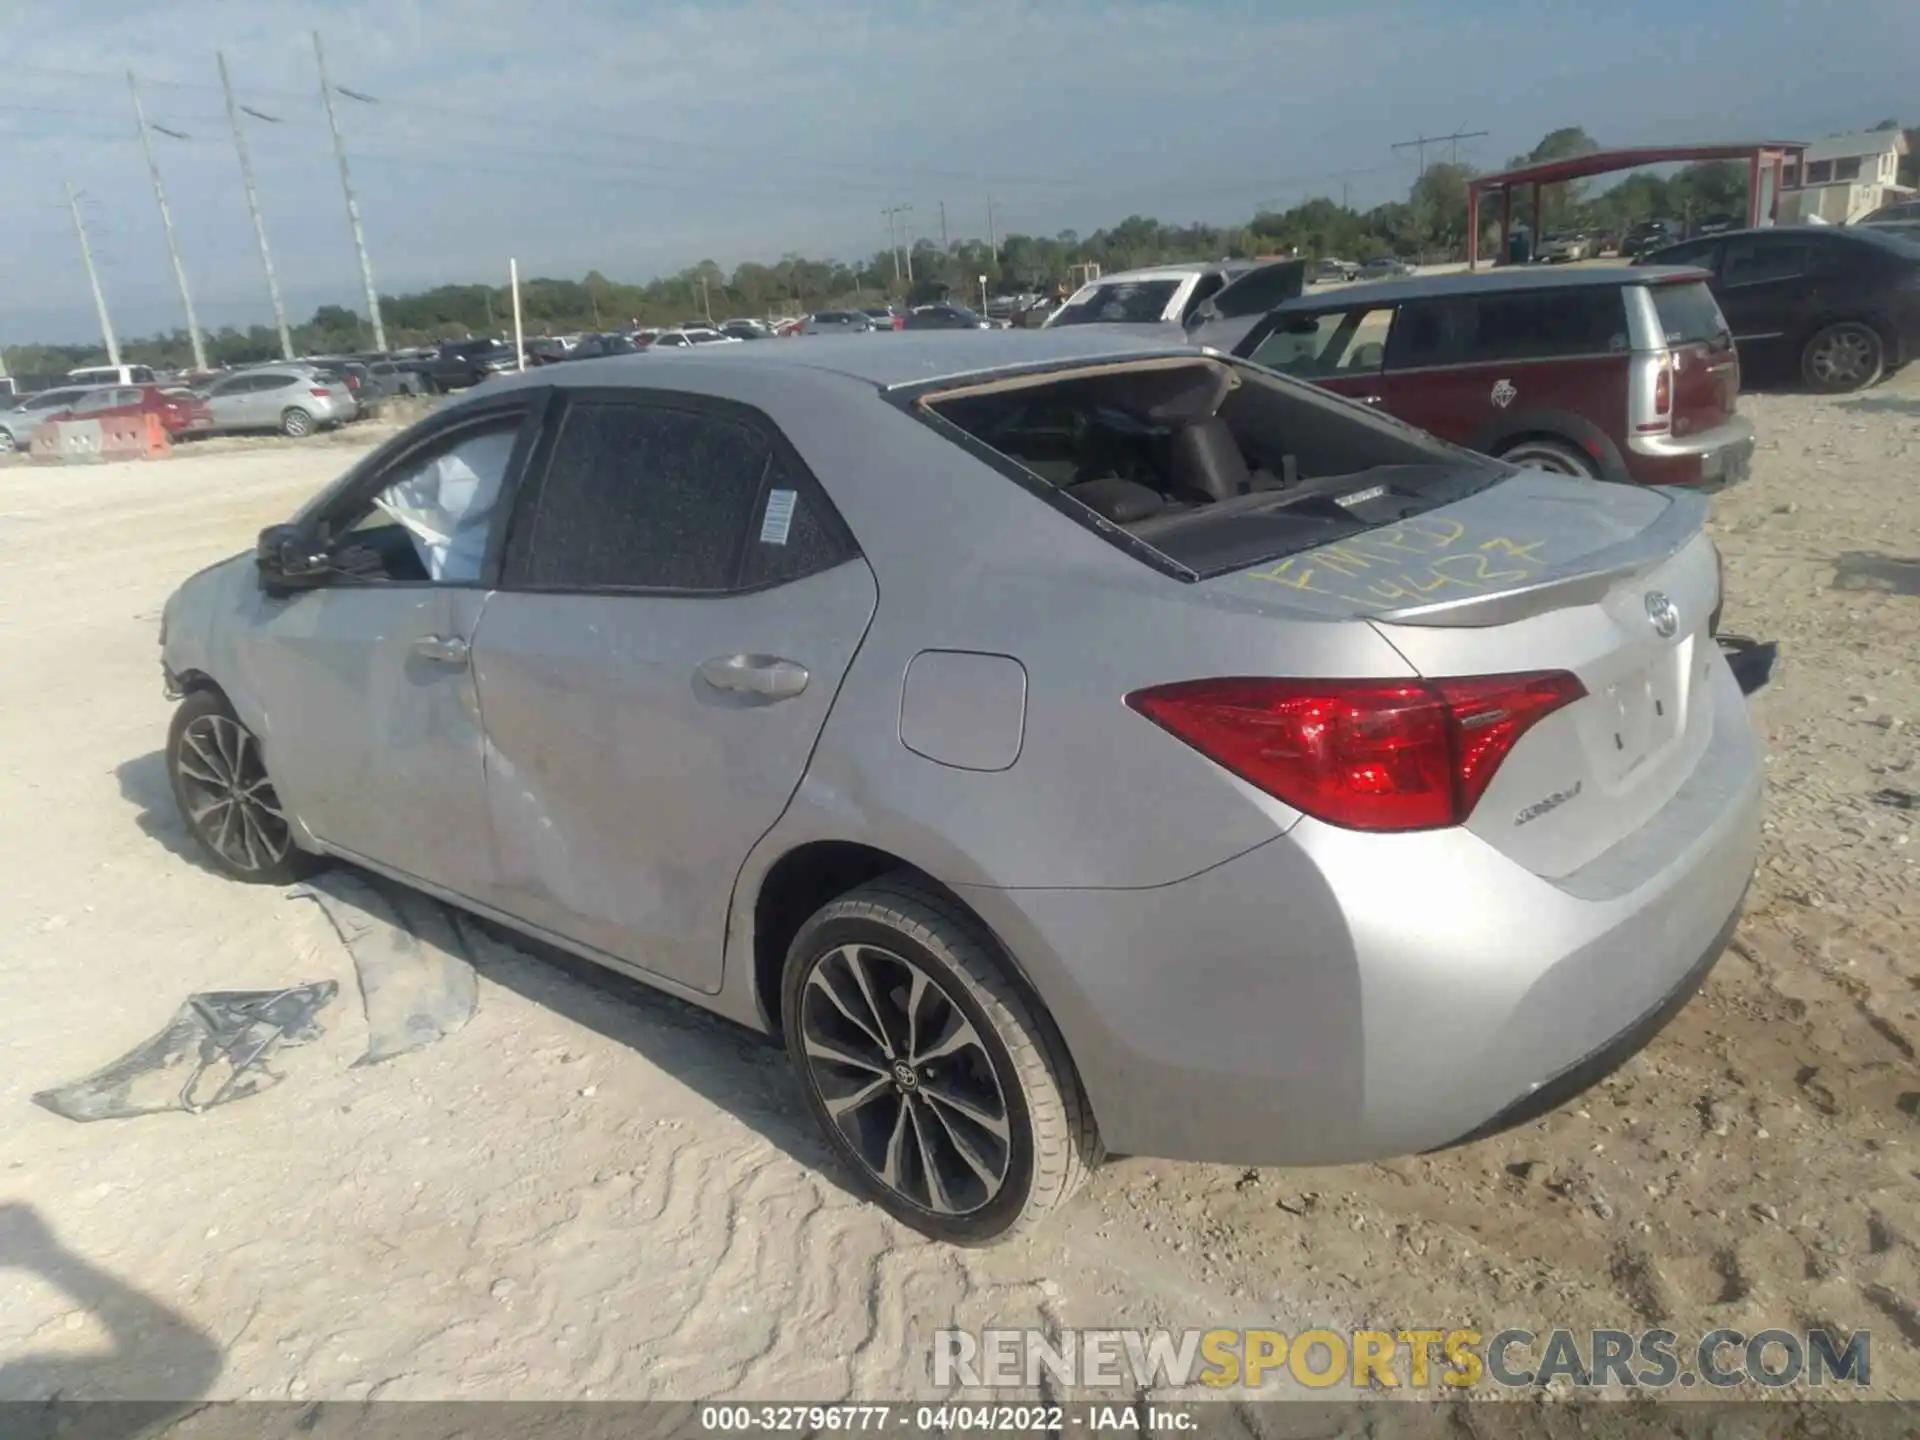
1503 393
1664 614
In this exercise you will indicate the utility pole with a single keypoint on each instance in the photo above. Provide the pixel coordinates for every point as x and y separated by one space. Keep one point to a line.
894 226
993 247
166 224
93 279
1420 142
253 208
944 243
353 208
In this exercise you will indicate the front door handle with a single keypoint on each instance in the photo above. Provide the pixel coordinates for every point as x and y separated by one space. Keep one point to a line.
445 650
765 675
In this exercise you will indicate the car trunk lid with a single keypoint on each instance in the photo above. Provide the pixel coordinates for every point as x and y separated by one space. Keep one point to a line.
1543 573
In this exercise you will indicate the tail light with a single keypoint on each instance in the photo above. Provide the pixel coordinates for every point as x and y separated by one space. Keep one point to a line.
321 391
1381 755
1652 402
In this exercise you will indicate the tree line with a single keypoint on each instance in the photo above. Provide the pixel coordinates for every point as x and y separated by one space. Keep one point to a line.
1429 224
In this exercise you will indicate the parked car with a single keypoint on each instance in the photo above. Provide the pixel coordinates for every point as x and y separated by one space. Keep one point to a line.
350 375
1426 905
180 412
945 317
293 399
836 322
1838 305
1904 211
746 330
1647 235
28 413
458 364
885 317
1153 295
685 339
95 375
1384 267
1332 270
548 349
596 347
387 378
1620 373
1562 246
1717 223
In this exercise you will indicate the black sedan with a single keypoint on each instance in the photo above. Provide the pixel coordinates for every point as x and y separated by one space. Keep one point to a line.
946 317
1840 307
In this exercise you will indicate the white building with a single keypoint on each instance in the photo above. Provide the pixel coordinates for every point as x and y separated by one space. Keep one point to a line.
1841 178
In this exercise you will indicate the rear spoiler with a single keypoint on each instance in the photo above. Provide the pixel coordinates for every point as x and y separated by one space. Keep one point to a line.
1584 580
1254 293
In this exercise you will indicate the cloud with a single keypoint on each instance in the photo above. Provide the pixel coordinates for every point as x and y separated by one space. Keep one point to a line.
636 136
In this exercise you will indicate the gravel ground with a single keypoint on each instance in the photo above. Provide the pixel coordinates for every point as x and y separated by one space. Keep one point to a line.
593 1191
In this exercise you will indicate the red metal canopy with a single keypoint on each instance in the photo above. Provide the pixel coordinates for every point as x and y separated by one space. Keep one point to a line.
1770 154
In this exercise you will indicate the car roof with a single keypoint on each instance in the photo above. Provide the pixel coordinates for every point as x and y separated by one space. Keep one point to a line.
912 357
1493 282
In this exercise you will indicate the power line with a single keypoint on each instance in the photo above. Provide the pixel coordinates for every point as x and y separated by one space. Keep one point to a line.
1420 143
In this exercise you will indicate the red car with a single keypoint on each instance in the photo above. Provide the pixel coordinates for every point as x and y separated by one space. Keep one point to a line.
181 411
1621 373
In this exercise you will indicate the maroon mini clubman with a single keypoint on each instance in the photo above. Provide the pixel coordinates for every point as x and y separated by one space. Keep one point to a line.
1619 373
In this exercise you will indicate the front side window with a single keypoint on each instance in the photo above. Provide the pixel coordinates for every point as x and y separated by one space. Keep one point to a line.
431 519
652 497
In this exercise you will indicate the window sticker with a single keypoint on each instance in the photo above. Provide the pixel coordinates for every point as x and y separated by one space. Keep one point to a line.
779 517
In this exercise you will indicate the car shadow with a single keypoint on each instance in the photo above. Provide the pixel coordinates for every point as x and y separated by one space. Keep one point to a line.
156 1352
144 783
741 1071
1908 405
1887 574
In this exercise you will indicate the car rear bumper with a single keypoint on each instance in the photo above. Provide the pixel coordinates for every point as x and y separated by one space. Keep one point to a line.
1712 459
1333 996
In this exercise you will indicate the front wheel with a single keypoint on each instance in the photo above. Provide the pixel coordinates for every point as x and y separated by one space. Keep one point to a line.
7 443
948 1098
220 783
1843 357
1551 455
295 422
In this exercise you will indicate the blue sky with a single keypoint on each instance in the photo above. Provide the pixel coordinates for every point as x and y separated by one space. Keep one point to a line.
640 136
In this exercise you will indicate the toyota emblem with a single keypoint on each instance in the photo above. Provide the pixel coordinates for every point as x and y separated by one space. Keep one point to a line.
1664 614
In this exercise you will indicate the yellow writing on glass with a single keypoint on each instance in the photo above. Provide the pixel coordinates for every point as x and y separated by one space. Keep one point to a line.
1384 577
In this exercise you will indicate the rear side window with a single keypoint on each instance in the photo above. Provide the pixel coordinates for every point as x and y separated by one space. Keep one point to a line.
1526 325
1688 314
1131 302
651 497
1770 257
1338 342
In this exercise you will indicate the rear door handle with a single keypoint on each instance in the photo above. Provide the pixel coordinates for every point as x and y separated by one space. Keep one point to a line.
442 649
765 675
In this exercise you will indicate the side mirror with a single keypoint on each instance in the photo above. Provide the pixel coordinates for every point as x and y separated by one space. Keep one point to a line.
288 559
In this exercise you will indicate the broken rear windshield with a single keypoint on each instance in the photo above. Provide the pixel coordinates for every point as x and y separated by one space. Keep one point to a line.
1213 466
1127 302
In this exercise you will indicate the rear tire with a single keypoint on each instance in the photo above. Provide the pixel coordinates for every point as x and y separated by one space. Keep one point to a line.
228 803
1551 455
1843 357
295 422
7 443
948 1099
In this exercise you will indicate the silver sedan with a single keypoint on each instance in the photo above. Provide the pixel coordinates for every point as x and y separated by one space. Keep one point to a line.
293 399
1064 744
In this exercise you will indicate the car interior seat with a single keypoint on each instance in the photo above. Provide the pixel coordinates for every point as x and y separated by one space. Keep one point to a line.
1207 464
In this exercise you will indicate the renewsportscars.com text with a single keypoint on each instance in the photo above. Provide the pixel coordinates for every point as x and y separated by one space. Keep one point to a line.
1416 1358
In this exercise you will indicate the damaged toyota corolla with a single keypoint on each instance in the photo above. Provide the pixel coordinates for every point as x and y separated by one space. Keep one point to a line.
1066 746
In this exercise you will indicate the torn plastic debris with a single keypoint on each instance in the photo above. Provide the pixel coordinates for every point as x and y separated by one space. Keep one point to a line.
215 1050
410 953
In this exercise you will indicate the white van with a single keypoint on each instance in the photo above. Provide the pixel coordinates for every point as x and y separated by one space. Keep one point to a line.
112 375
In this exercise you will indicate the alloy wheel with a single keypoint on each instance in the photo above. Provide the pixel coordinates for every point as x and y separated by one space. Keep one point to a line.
297 423
1843 359
229 798
904 1075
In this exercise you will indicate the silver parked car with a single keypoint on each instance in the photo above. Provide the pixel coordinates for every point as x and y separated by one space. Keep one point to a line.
24 416
1063 743
293 399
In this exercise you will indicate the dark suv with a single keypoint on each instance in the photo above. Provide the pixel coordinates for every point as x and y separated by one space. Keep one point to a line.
1623 373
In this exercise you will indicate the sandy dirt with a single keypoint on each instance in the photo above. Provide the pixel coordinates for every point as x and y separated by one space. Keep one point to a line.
596 1192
